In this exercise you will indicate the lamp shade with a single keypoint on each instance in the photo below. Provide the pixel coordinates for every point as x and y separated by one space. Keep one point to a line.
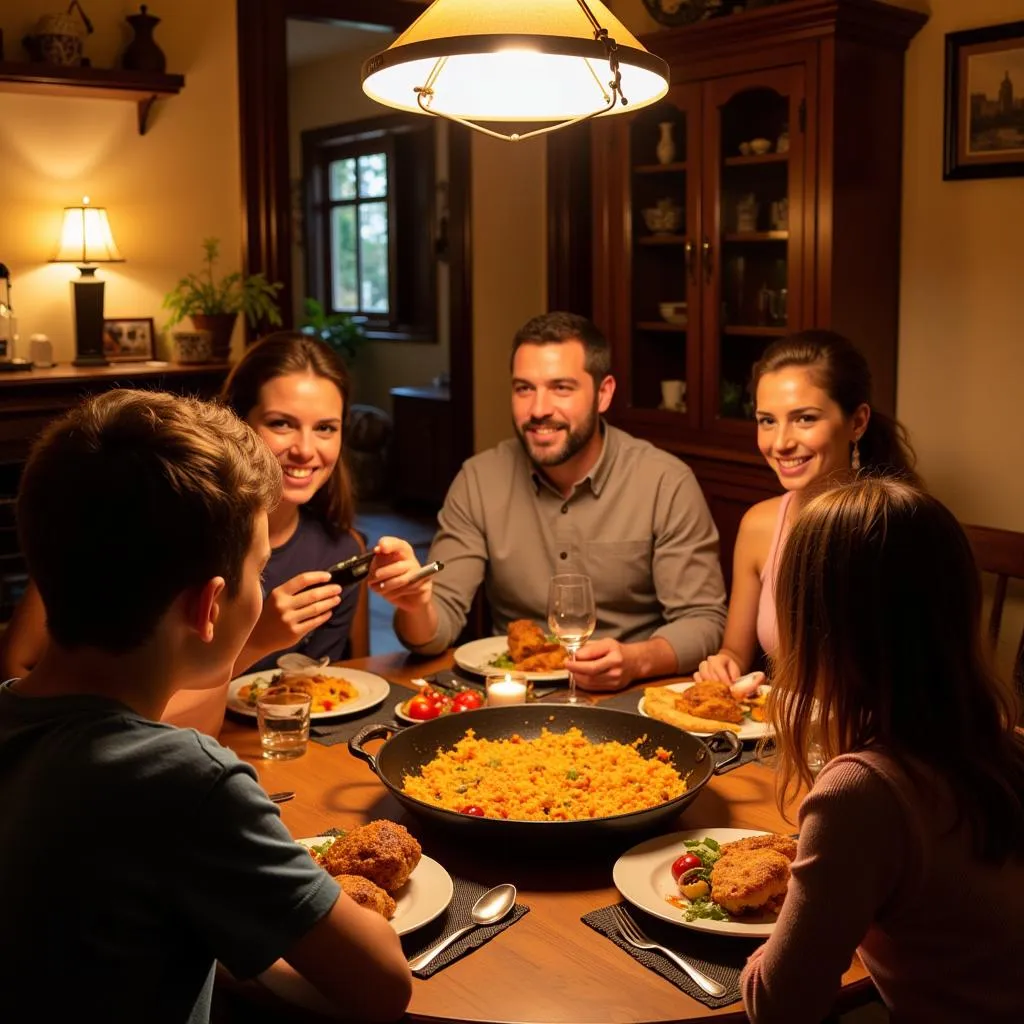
514 60
86 237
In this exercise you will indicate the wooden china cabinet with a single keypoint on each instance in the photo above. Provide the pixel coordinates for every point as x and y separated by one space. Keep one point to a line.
774 206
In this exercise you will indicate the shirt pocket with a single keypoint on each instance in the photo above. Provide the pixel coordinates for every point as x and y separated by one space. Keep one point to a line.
621 572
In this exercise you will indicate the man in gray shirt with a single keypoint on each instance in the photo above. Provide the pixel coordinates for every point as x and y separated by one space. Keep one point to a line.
570 494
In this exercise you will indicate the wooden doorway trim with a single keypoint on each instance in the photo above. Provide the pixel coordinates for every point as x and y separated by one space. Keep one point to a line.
266 199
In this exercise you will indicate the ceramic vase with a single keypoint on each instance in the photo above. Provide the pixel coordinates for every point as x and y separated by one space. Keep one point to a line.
666 148
143 54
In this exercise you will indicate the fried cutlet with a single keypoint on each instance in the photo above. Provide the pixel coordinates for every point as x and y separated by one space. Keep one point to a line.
662 703
525 638
771 841
382 851
366 894
545 661
711 700
750 880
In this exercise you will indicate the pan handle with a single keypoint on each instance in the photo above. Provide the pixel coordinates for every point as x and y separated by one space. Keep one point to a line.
370 732
726 744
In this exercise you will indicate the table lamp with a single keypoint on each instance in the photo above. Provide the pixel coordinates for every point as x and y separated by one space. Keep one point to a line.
86 239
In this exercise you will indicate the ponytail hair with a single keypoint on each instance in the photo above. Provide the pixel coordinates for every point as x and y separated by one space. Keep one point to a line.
839 368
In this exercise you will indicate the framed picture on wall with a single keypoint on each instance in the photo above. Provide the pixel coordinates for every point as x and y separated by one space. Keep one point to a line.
128 340
984 133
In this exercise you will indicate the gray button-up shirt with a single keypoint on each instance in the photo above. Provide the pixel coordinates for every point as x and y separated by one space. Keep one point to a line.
637 524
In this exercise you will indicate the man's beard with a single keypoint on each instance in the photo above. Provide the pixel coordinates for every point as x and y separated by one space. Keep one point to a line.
573 441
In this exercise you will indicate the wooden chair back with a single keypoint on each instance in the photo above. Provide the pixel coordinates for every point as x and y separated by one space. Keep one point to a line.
359 631
1000 552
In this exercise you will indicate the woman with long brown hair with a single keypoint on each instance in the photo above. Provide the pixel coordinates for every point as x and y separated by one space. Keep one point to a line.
911 843
294 392
816 427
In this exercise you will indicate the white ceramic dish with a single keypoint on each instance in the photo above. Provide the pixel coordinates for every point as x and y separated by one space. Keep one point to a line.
644 877
477 655
372 689
423 898
749 729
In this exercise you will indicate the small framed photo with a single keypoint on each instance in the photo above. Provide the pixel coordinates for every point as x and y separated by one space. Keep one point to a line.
128 340
984 133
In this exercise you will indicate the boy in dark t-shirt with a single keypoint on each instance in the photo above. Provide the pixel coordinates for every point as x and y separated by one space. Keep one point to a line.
133 854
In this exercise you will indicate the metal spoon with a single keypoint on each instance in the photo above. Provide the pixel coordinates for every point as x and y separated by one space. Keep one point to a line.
489 909
295 662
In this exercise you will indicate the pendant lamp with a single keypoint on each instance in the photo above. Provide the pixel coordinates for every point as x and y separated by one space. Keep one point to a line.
474 61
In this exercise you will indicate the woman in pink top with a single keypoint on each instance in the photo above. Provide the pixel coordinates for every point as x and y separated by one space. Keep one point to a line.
815 428
911 848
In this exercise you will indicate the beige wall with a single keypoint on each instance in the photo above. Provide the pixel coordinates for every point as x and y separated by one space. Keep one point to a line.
961 359
329 92
509 268
164 191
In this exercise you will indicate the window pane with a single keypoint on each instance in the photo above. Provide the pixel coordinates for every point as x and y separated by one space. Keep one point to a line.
373 250
342 174
373 175
344 284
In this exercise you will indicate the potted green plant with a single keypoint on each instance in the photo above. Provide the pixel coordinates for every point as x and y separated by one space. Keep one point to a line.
213 305
344 333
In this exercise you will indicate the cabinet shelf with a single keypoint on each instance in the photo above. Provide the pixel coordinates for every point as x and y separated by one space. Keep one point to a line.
739 330
764 158
659 168
144 87
757 236
660 325
665 239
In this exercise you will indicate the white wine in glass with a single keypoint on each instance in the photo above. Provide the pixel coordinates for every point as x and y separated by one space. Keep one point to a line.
572 616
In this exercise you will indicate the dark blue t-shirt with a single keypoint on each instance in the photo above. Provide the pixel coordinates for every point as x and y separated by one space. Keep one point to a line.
312 547
132 856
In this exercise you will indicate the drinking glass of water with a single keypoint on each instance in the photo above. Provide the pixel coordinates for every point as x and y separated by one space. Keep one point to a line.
283 719
572 616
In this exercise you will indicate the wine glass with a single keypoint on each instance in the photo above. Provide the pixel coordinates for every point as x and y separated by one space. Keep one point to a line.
572 616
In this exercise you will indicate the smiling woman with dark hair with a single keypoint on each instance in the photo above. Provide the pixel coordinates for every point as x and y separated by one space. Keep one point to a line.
911 848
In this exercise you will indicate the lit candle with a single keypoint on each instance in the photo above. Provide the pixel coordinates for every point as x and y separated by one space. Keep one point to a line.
506 690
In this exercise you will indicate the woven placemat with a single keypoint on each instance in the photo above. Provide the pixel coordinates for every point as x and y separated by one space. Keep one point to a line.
721 958
328 732
455 917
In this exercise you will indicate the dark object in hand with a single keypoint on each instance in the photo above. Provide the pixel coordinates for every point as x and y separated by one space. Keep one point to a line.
352 570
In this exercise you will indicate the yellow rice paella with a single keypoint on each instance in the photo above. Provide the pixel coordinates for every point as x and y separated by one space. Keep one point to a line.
555 777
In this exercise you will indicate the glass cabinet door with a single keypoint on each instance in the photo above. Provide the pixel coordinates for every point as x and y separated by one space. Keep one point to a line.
752 232
661 231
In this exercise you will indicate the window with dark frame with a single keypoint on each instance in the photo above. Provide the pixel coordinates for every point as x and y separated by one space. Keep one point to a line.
369 224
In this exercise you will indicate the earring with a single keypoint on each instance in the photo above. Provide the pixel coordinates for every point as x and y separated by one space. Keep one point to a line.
855 457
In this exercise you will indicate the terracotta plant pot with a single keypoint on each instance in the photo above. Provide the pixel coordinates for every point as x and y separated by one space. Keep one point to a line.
220 326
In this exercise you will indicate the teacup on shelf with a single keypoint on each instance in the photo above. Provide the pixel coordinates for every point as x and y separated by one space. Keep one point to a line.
674 313
665 216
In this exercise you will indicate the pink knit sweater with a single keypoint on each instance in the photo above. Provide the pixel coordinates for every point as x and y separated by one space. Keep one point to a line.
879 871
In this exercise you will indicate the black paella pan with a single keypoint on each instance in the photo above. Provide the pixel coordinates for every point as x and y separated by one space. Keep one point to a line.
406 751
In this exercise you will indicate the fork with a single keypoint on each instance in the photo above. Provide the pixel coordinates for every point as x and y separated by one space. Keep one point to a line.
631 933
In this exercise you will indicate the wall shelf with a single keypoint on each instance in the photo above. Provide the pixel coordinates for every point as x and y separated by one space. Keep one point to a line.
144 87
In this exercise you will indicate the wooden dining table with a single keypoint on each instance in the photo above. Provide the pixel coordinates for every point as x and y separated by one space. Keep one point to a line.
549 967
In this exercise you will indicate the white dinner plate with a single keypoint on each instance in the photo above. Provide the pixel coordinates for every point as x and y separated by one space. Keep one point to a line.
372 690
424 897
644 877
749 729
477 655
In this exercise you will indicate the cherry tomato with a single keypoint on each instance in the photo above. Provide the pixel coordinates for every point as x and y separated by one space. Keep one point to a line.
477 812
467 700
434 696
684 863
422 709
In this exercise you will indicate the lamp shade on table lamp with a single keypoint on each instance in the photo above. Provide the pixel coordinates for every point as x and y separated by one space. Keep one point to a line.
86 239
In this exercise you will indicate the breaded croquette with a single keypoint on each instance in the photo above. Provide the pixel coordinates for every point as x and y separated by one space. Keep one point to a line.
366 894
525 638
771 841
382 851
545 661
751 880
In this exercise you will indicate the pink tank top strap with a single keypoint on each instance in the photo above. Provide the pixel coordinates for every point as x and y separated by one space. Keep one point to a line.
767 625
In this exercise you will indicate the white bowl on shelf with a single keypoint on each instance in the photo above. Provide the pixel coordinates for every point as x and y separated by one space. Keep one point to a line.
674 313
